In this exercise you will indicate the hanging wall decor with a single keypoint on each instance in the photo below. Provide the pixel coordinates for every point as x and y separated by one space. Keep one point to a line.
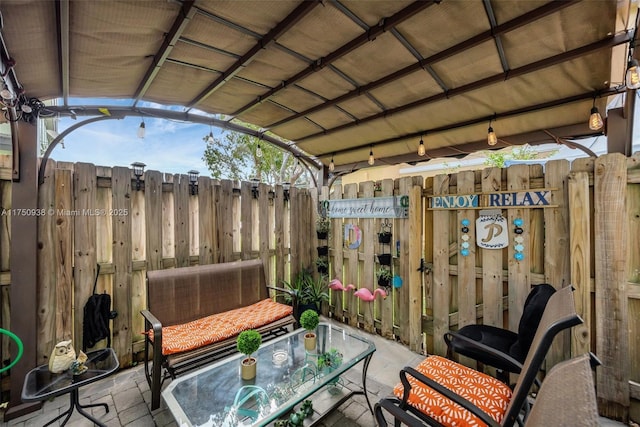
518 240
464 246
491 230
352 236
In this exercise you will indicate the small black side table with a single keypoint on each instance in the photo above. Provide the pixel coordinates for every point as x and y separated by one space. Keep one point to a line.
40 384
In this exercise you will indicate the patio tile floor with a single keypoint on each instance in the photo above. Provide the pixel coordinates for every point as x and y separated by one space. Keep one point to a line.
129 397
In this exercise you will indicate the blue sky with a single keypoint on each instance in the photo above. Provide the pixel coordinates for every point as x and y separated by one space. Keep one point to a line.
169 146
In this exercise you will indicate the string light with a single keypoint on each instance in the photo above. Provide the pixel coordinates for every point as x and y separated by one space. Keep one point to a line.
595 119
142 131
259 151
632 79
332 165
372 159
422 150
492 139
209 138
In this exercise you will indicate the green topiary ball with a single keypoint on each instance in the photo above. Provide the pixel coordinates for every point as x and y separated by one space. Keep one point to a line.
249 341
309 320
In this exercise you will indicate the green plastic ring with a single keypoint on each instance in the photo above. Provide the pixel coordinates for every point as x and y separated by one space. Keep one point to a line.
20 349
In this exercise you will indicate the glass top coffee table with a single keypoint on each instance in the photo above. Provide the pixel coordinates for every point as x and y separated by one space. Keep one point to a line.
286 375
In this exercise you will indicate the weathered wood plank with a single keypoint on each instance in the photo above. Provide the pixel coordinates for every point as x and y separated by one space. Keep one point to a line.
441 281
403 235
46 289
386 305
351 276
579 248
612 334
519 271
281 213
63 202
246 216
492 263
633 278
368 251
181 219
224 208
123 324
205 221
168 222
263 234
336 237
557 268
414 277
153 218
84 243
294 230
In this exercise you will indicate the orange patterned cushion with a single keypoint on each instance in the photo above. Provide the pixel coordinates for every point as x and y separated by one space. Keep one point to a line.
258 314
487 393
218 327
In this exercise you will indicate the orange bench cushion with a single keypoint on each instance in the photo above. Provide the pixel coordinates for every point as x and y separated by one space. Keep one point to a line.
218 327
484 391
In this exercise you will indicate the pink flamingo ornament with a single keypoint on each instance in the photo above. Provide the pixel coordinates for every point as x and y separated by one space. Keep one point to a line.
336 285
366 295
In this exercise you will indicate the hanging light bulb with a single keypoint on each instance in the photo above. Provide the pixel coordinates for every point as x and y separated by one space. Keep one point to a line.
209 138
492 139
259 151
595 119
141 130
632 79
332 166
422 150
372 159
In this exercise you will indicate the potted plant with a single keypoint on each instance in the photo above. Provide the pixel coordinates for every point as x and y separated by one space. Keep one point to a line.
384 236
316 291
384 259
323 265
248 343
323 225
309 320
297 287
328 362
384 276
323 250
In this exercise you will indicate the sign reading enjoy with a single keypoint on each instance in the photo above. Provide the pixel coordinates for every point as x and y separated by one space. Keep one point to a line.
501 199
373 207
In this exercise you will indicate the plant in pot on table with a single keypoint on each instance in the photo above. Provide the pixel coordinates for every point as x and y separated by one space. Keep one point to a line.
309 320
248 343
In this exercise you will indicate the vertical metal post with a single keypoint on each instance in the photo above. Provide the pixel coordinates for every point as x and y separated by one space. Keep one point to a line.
23 263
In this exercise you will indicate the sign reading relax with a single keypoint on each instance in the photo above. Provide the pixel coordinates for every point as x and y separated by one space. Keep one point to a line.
502 199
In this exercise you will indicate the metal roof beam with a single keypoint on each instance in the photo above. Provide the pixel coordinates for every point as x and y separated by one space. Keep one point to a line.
62 12
488 81
294 17
493 22
478 120
385 25
187 11
515 23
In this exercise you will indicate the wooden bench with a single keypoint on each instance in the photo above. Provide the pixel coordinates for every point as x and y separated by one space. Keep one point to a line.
195 314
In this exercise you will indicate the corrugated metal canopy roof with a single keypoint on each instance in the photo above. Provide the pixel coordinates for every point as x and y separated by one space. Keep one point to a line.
337 78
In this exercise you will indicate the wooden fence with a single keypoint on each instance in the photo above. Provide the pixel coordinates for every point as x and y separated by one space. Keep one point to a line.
95 216
585 235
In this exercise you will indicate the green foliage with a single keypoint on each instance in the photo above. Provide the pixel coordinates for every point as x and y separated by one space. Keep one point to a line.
309 320
296 419
330 359
233 155
249 341
384 273
307 289
498 159
323 224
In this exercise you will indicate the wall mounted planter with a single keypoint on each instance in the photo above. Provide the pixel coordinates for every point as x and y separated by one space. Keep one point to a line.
384 259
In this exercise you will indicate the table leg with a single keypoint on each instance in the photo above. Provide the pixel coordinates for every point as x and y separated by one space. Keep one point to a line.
364 381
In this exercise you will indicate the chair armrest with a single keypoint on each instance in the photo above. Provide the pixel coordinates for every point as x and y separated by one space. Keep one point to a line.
392 406
448 337
155 325
445 392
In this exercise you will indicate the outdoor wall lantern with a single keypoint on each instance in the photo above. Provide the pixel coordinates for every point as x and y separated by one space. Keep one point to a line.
254 188
138 171
193 181
286 186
